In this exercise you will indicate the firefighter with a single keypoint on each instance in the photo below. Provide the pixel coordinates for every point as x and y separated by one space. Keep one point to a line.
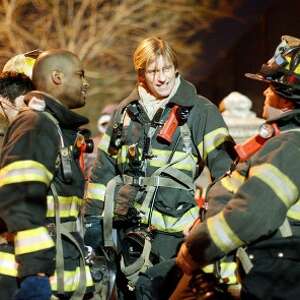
255 209
13 87
42 183
162 135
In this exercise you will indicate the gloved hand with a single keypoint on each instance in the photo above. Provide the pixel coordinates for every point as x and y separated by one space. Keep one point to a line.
34 288
185 261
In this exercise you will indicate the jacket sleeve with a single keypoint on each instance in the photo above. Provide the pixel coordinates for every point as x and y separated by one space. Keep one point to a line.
272 181
213 140
27 168
103 170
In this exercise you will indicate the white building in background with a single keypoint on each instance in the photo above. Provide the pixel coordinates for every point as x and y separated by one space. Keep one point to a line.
241 121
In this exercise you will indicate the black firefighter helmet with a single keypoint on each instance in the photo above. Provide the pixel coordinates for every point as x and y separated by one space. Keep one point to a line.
282 71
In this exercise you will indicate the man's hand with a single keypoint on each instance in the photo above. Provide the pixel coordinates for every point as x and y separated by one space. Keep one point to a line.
35 287
185 261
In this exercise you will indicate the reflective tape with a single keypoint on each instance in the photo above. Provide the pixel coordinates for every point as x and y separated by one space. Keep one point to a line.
8 264
277 181
294 211
25 171
233 181
71 279
32 240
227 271
104 143
222 235
68 206
95 191
212 140
166 223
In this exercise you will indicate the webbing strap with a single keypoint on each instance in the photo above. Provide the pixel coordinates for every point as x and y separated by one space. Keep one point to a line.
244 259
285 229
65 231
155 180
167 170
108 211
140 265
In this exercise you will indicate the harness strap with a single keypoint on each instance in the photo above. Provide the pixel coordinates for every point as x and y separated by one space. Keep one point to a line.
155 181
109 212
140 265
64 230
244 259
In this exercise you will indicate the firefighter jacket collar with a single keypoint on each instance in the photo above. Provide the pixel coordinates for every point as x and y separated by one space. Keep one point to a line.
65 117
184 96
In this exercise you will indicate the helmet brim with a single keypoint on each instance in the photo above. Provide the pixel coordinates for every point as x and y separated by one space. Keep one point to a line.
257 77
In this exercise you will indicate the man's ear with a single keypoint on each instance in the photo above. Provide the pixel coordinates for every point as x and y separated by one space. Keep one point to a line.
57 77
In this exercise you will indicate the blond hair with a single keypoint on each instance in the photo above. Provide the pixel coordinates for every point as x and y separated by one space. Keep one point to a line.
147 50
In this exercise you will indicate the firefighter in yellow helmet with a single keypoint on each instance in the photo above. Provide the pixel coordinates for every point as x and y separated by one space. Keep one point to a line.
259 216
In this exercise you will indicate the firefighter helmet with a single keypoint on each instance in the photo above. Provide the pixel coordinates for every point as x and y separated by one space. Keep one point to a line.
22 63
282 71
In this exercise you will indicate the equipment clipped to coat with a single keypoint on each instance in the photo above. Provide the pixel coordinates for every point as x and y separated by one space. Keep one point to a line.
177 117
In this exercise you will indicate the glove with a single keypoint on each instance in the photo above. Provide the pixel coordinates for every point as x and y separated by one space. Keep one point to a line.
34 288
185 261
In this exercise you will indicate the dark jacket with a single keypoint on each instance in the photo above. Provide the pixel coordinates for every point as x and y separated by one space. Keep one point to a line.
249 206
174 208
30 162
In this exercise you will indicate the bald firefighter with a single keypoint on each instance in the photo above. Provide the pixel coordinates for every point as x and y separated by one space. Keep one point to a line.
42 183
161 137
260 219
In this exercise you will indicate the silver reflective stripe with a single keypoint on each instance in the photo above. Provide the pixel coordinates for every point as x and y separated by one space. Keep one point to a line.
95 191
168 223
24 171
8 264
212 140
222 235
32 240
281 185
68 206
71 279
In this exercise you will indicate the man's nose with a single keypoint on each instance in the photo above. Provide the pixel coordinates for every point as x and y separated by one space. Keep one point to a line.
161 76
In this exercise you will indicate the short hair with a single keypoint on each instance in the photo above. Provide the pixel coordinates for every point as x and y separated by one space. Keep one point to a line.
13 85
150 48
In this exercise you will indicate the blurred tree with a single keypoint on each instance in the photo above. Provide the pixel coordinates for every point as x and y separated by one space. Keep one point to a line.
104 34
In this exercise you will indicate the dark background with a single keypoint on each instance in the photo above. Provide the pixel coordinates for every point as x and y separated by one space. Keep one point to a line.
239 45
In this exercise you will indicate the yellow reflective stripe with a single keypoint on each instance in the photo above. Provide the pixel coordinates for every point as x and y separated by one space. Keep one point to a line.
68 206
221 234
294 211
104 143
71 279
24 171
227 270
32 240
166 223
161 157
122 155
8 264
95 191
212 140
233 181
281 185
297 70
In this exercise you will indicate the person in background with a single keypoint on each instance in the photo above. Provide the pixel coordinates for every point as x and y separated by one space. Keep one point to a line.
13 87
259 218
102 123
